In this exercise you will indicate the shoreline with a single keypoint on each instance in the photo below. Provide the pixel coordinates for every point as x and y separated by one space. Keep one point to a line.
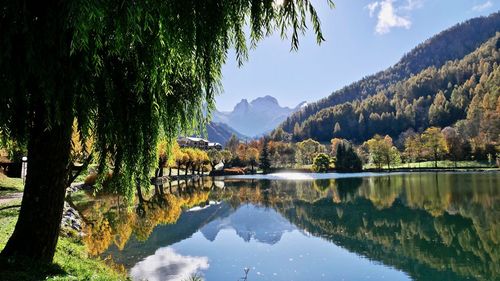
295 175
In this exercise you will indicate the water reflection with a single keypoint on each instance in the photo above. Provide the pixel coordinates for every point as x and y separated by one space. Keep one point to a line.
250 222
166 264
429 226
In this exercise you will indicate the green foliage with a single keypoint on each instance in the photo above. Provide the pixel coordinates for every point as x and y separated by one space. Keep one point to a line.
284 154
433 140
127 72
265 163
15 150
308 150
215 157
347 159
382 151
321 163
10 185
461 93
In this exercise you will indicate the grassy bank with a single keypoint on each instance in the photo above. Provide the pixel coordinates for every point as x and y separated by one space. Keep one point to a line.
71 261
10 185
445 164
426 165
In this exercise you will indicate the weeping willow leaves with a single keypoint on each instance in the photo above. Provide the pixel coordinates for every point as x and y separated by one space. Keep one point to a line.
129 71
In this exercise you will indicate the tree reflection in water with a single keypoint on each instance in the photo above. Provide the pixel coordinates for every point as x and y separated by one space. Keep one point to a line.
431 226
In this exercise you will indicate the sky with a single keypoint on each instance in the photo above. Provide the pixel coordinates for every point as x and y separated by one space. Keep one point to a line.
362 38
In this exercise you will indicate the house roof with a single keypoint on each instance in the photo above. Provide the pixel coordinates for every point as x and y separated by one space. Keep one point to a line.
194 139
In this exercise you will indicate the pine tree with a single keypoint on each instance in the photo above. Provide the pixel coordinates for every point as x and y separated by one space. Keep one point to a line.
265 163
347 159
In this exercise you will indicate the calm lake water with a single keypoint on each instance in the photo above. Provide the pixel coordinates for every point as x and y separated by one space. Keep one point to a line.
421 226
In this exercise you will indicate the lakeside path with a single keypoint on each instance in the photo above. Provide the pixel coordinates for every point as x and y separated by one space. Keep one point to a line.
7 198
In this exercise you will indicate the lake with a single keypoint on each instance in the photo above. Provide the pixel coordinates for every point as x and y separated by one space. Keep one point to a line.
415 226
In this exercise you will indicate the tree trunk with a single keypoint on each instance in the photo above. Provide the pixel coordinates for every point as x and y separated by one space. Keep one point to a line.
139 193
37 228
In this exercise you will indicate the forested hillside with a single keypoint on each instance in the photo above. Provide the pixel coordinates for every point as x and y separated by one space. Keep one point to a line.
384 99
221 133
465 90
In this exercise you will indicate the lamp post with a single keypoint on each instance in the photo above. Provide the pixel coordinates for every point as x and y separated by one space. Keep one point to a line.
24 168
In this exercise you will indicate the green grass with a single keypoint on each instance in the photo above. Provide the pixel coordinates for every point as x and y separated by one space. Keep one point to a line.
71 261
441 164
10 185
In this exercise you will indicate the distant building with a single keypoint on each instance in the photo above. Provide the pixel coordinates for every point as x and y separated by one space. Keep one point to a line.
199 143
215 145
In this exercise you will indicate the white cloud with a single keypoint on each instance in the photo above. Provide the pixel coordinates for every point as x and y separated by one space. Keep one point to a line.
372 7
388 15
483 6
413 4
167 265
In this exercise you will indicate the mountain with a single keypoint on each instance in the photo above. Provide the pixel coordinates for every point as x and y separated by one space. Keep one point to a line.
451 77
257 117
250 222
451 44
221 133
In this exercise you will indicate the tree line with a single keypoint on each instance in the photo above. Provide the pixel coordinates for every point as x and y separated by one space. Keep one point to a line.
462 94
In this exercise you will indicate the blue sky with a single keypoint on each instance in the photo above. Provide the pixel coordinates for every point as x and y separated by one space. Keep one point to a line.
362 37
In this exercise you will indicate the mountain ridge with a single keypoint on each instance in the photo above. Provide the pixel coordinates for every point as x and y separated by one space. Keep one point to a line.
221 132
435 51
463 94
256 117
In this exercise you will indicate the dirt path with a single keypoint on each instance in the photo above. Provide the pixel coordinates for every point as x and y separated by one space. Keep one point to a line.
6 199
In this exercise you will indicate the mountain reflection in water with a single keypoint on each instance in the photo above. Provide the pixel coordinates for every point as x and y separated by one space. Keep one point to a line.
424 226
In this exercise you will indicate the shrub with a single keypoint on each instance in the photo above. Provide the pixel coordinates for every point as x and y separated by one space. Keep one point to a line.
321 163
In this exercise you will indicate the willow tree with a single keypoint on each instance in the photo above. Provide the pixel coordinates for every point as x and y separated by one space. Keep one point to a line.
125 71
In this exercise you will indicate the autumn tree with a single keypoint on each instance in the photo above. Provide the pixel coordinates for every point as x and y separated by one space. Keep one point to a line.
232 144
296 132
413 148
201 159
308 150
190 159
454 143
180 158
434 141
164 150
252 157
382 151
336 129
